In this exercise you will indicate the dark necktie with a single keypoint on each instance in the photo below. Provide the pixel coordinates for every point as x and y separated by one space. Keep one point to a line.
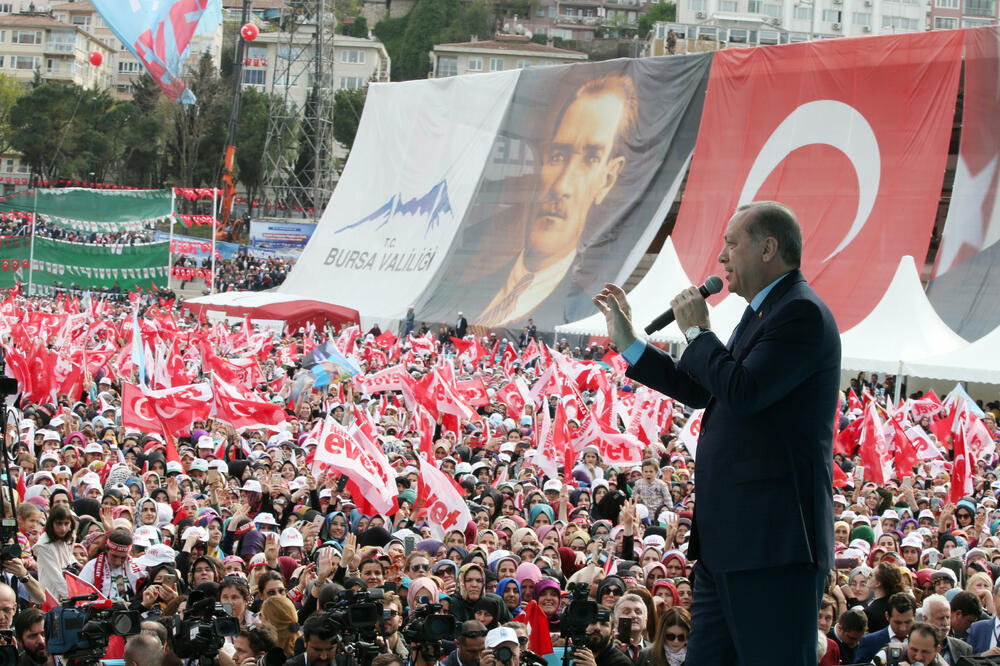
747 316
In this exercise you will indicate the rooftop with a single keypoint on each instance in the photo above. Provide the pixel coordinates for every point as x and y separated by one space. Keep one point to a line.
514 43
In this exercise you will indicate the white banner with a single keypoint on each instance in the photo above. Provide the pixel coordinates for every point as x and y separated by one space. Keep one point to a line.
417 159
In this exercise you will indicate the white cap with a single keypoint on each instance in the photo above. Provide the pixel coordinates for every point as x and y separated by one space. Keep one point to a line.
889 514
205 442
926 513
265 519
57 420
253 486
290 537
840 499
861 545
913 540
198 464
553 484
220 465
174 466
147 532
861 519
500 635
157 554
94 447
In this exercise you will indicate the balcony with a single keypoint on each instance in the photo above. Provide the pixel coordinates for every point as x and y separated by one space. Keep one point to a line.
985 8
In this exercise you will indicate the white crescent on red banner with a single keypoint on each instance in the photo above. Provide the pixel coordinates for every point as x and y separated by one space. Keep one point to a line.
833 138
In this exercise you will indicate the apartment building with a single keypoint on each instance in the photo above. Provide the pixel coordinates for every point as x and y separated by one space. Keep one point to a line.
496 55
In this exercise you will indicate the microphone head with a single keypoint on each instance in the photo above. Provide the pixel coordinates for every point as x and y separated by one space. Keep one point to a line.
713 284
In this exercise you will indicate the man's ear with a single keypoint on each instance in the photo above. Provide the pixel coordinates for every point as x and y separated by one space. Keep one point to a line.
611 173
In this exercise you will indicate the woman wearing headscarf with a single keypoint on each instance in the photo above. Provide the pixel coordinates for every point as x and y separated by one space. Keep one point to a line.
509 590
471 582
420 588
491 611
527 575
548 596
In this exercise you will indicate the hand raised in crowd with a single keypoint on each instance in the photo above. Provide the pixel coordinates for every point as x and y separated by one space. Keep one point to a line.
583 657
271 548
107 518
351 559
325 564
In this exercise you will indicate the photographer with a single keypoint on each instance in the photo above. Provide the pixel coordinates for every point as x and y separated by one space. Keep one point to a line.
922 648
631 608
29 629
502 648
600 649
392 620
249 646
320 640
469 645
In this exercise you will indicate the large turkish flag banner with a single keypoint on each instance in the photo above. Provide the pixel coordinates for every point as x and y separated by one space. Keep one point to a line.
852 134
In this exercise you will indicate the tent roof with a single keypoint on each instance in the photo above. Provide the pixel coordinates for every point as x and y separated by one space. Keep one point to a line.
272 305
902 328
976 362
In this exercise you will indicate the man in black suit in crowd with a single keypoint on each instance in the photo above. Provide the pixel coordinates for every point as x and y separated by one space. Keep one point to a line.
766 445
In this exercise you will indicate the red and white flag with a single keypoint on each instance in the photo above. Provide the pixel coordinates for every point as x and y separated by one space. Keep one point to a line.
962 464
874 450
691 432
925 448
242 410
438 502
361 461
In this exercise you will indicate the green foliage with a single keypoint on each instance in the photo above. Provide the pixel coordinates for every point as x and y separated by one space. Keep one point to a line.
474 19
661 11
40 119
391 33
347 107
428 20
251 134
197 139
10 90
358 28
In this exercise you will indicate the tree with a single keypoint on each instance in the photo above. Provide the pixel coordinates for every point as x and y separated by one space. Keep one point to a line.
391 33
198 134
475 19
347 106
10 90
661 11
39 121
251 134
428 18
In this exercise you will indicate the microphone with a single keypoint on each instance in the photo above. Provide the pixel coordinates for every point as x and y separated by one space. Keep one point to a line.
713 285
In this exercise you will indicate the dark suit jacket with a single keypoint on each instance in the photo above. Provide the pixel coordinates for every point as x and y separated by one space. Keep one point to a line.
957 648
461 327
979 635
765 452
870 645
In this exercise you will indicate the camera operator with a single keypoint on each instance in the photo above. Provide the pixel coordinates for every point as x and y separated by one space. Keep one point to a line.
320 641
600 649
922 648
392 620
249 645
502 648
29 629
469 645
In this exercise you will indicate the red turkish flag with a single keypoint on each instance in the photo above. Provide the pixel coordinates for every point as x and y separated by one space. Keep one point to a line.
438 396
174 408
515 395
692 430
508 359
137 410
874 451
531 352
386 340
839 478
852 400
961 468
243 409
617 362
474 391
925 448
844 111
906 454
464 347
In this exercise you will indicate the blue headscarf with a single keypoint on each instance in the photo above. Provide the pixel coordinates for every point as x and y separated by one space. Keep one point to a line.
502 586
325 533
537 509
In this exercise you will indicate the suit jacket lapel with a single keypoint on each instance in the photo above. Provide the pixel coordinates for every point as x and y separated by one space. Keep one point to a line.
753 327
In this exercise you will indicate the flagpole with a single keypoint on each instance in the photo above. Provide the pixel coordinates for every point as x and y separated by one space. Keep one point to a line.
215 229
170 246
31 254
899 383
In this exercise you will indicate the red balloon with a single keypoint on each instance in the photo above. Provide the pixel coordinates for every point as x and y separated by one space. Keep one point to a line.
249 31
96 58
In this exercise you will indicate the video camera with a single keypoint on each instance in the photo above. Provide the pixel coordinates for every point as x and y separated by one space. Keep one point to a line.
8 648
428 626
581 612
81 632
354 617
202 630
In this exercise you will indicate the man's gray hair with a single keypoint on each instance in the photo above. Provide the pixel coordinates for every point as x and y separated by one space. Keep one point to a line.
775 220
144 649
634 598
925 607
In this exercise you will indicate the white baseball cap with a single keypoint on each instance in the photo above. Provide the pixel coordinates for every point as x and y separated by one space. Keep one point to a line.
157 554
252 486
265 519
552 484
500 635
290 537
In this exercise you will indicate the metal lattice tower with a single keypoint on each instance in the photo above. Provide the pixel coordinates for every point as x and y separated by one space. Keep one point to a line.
299 140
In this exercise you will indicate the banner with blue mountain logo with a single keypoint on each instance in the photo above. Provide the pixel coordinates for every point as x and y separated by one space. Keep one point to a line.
583 171
415 165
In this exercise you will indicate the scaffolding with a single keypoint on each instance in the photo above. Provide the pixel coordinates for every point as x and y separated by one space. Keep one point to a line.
298 151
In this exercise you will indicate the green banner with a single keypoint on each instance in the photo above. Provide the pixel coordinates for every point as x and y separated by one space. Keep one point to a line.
91 205
63 264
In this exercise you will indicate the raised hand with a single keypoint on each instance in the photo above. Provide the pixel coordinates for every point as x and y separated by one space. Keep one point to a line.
611 301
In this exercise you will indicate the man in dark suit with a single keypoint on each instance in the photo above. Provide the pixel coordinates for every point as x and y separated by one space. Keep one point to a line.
847 633
320 641
937 611
461 326
766 442
901 615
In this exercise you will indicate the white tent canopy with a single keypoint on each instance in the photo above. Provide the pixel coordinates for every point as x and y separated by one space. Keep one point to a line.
903 328
648 299
976 362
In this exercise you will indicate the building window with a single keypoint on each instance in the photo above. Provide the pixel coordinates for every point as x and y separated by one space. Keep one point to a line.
25 62
831 15
475 64
523 64
352 56
352 82
803 13
256 52
979 8
697 5
728 5
861 18
942 23
755 6
899 23
6 8
946 4
26 36
125 67
82 21
447 66
496 64
545 63
254 77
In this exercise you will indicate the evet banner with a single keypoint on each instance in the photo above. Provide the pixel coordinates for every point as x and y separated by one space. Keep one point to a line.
852 134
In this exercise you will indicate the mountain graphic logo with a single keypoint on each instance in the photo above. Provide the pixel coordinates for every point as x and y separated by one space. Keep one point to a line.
433 205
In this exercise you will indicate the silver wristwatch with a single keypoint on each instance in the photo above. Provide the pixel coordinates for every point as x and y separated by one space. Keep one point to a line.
693 332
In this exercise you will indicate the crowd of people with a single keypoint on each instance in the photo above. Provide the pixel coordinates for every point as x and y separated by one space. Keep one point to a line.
242 272
21 227
247 517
